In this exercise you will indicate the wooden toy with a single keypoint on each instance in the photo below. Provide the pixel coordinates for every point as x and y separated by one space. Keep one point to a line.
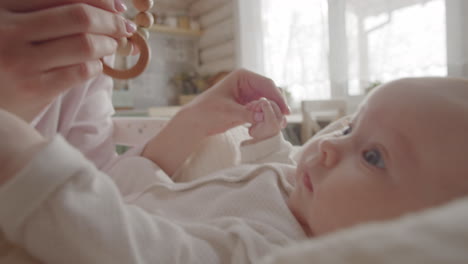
144 20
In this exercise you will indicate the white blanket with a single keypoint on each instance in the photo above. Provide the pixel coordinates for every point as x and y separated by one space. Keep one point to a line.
435 236
439 235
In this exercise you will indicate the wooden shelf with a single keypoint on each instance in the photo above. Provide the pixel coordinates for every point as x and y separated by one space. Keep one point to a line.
175 31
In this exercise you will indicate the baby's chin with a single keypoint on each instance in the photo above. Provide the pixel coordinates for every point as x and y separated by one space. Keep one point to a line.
298 216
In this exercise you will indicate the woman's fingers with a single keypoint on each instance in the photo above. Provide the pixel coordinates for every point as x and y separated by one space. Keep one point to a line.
51 46
268 112
279 116
72 19
34 91
276 110
71 50
60 78
252 86
34 5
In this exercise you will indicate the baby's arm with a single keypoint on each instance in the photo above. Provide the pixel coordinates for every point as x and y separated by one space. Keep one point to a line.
267 143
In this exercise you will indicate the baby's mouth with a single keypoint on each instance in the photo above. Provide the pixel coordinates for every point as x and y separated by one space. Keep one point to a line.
307 182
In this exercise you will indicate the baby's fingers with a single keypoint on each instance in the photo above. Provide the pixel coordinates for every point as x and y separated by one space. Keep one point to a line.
268 112
280 118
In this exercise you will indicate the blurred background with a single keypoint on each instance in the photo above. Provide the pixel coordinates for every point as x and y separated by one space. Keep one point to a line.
314 50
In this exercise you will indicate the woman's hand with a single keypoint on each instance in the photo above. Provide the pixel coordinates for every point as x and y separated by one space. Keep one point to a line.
223 106
216 110
19 142
49 46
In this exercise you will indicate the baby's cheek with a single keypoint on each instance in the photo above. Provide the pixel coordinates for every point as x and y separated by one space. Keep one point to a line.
291 177
322 214
309 148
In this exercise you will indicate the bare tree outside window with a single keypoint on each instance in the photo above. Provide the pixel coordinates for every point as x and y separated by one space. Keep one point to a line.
386 39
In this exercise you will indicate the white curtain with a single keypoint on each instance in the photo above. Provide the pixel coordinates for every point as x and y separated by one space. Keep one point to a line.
396 39
338 48
296 45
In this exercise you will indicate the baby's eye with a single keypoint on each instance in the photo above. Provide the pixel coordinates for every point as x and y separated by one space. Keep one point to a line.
374 158
346 130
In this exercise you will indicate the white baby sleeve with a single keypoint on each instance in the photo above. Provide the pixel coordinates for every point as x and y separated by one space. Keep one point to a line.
61 209
274 149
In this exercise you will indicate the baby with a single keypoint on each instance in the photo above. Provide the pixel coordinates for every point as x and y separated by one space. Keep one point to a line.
403 151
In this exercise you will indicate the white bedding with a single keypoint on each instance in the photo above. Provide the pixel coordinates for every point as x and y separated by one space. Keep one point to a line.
434 236
439 235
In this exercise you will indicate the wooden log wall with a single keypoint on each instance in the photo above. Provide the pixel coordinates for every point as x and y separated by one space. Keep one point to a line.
217 47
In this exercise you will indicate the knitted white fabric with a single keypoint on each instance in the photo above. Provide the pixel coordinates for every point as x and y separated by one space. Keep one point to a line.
214 153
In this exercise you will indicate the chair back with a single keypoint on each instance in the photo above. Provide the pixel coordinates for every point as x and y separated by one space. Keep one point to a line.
316 114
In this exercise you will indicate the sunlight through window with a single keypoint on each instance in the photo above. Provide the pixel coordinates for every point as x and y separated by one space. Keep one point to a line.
385 40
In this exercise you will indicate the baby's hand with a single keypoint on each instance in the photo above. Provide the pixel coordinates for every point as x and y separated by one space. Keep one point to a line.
268 120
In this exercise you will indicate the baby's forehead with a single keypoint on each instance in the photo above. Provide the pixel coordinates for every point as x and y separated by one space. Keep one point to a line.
432 113
447 88
442 96
419 106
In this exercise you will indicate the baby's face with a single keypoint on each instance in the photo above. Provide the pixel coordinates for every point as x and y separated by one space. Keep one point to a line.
403 151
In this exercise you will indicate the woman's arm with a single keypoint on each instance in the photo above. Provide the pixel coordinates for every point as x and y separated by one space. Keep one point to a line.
220 108
19 143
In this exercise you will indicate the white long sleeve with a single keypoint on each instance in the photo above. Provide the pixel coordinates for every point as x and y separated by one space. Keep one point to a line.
274 149
61 209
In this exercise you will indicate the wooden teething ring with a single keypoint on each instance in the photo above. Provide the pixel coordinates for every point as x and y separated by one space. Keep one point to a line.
139 67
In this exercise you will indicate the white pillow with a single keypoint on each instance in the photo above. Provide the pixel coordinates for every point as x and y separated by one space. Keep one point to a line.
434 236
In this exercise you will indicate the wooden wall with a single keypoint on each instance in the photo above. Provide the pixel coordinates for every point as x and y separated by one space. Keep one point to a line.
217 45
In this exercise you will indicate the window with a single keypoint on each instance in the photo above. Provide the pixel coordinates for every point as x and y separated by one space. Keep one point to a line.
385 42
295 45
382 40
